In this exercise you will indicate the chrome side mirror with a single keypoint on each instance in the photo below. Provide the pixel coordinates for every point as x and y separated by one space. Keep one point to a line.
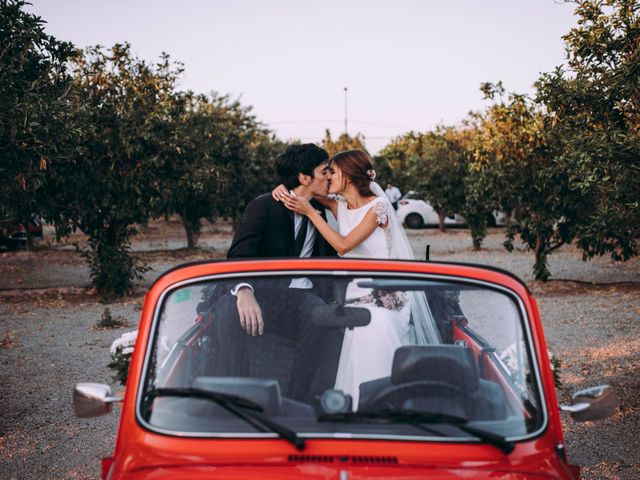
93 399
593 403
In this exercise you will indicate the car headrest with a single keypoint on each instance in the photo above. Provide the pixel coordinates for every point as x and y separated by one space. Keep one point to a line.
451 364
264 392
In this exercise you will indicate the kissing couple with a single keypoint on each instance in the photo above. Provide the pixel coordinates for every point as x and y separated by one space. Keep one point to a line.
292 222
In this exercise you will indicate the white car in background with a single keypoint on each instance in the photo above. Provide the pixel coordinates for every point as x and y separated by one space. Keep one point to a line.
416 213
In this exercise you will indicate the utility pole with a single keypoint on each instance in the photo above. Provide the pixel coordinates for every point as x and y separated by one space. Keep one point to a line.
345 112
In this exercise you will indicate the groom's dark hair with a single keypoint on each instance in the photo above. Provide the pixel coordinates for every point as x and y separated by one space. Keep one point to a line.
298 159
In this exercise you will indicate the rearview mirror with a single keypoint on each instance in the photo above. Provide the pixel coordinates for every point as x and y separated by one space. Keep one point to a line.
339 316
93 399
594 403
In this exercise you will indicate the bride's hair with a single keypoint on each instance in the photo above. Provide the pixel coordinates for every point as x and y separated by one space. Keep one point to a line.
358 167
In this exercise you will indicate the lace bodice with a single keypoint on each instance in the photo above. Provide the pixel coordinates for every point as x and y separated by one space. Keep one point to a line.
378 244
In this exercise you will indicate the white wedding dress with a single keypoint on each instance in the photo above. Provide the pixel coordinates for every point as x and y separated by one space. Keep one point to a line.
367 352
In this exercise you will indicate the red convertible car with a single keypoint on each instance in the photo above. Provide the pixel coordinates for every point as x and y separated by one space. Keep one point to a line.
475 399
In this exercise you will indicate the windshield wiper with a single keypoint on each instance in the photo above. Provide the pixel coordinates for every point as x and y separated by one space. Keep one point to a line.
419 419
243 408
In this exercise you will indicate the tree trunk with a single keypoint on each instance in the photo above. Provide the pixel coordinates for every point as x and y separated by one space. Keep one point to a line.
29 241
477 223
189 231
441 217
540 269
112 268
538 248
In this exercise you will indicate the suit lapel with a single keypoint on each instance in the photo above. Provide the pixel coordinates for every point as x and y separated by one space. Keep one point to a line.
292 224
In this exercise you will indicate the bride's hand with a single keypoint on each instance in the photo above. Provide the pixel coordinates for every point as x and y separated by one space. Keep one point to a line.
298 204
280 193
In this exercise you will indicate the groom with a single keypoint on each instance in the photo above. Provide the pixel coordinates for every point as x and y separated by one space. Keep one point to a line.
254 308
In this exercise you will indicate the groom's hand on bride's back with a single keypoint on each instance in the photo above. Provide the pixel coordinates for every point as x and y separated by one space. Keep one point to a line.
249 312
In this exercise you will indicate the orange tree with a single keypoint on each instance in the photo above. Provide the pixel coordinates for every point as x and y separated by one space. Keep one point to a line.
112 180
216 157
36 114
433 164
392 162
439 171
257 175
513 167
570 163
342 143
593 119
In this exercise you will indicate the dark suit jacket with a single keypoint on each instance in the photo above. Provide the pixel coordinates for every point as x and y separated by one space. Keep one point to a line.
267 231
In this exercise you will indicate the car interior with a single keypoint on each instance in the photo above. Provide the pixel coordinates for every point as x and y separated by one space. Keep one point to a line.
460 377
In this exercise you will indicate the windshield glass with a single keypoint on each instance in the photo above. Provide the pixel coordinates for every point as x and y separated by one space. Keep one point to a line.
363 355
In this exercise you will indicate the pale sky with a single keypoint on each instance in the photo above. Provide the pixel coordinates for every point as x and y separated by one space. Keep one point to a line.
407 64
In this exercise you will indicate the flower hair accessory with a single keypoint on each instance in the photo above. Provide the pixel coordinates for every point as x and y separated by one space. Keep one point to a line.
372 174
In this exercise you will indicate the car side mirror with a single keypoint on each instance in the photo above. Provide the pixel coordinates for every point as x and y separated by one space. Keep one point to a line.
93 399
594 403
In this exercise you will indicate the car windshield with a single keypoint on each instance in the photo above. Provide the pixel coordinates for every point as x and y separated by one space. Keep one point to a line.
363 355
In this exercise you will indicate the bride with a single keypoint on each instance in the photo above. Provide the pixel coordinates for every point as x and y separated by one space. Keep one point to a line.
368 228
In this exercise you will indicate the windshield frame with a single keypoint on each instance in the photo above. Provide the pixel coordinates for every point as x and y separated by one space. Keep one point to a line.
524 318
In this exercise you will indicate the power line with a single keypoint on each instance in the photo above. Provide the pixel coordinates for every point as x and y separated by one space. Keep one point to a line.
310 139
381 125
310 122
297 122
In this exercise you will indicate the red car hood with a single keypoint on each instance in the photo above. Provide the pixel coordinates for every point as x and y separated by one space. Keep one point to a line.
238 472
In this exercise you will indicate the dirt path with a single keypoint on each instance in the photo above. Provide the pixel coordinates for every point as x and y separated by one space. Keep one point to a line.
161 245
48 343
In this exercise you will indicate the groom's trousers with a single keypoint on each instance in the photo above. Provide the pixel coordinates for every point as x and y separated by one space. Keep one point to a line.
286 313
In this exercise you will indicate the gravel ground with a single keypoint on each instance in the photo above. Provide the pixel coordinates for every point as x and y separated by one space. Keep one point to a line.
596 333
48 342
64 267
48 347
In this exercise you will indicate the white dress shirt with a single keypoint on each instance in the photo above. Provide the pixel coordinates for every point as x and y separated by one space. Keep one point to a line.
393 194
307 250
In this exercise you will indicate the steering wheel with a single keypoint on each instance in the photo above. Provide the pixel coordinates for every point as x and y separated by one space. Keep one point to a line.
393 397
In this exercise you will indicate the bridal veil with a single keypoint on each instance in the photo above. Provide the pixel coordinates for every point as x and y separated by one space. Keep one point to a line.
426 330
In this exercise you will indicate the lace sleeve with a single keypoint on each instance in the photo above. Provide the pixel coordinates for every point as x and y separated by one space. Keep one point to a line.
382 214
